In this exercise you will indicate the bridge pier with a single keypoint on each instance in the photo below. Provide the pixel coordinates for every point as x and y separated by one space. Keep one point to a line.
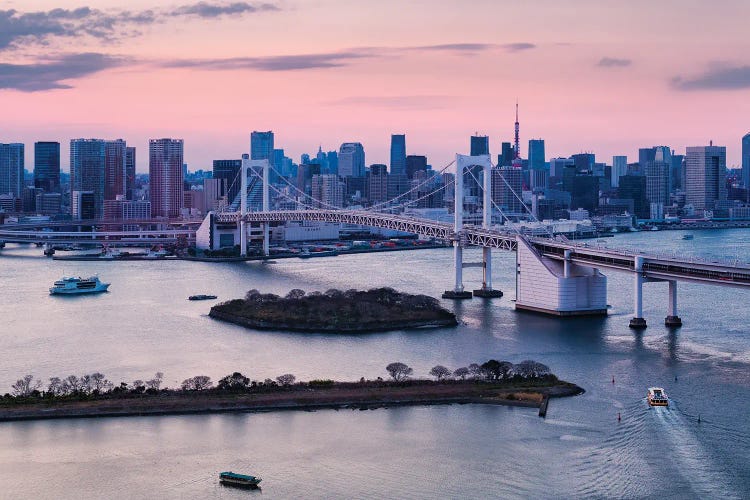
672 320
458 291
486 291
638 322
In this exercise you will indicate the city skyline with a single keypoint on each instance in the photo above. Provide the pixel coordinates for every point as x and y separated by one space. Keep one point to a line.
648 78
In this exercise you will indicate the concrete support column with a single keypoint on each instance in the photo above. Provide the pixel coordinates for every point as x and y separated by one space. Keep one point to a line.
458 224
672 319
266 205
243 207
486 291
566 264
638 321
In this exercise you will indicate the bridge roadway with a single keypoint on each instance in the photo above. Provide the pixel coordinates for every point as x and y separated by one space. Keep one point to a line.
655 267
73 237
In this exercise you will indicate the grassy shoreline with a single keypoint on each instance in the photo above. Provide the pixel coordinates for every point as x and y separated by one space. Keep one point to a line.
341 395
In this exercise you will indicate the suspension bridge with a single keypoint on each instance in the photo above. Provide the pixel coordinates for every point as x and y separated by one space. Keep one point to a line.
553 275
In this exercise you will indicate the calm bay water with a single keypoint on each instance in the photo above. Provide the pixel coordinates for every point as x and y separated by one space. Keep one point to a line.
145 324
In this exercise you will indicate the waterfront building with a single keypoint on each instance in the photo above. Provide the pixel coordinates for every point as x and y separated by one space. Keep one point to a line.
11 169
746 160
415 163
328 190
351 160
619 168
166 177
633 187
115 169
83 205
705 176
48 203
377 183
87 166
123 209
47 166
130 172
398 154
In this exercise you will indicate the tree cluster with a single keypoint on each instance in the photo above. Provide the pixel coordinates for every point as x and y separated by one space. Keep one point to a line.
489 370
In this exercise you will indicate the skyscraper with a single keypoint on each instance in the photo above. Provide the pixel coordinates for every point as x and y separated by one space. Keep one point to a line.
229 170
619 168
705 176
506 189
377 183
746 160
47 166
480 145
328 190
415 163
115 166
352 160
11 169
536 154
506 156
398 154
165 176
87 176
261 146
129 173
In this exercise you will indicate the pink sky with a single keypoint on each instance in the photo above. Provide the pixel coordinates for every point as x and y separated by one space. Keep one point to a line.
590 75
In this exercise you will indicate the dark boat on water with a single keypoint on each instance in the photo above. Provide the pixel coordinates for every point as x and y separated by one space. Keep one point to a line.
239 480
201 297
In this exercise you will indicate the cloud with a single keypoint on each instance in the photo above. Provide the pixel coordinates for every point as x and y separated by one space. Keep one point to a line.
49 74
613 62
399 101
719 77
207 10
21 28
471 48
273 63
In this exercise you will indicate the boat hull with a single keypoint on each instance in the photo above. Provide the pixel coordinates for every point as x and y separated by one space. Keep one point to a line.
99 289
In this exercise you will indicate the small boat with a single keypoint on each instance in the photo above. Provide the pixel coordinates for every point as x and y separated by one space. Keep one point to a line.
75 286
242 480
687 236
306 254
657 397
201 296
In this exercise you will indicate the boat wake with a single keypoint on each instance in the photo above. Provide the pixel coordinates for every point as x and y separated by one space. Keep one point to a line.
622 464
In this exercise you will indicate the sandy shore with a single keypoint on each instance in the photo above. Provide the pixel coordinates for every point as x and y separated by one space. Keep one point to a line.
298 397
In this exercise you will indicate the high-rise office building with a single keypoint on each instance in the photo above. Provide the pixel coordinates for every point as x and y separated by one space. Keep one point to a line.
506 189
47 166
165 160
328 190
677 173
536 154
479 145
633 187
746 160
229 170
115 169
415 163
705 176
377 183
619 168
130 173
87 177
506 156
11 169
657 181
261 146
398 154
351 160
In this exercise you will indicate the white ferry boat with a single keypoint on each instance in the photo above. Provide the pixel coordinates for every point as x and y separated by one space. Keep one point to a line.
657 397
73 286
